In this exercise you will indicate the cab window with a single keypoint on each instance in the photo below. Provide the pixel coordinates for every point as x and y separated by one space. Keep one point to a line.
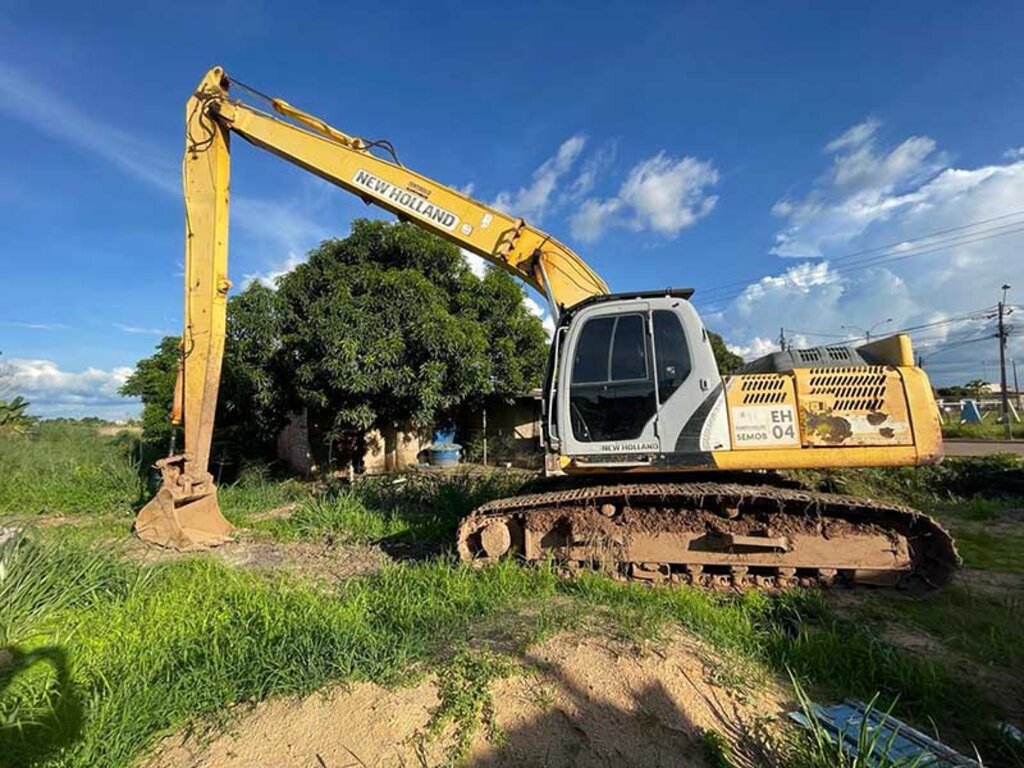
611 396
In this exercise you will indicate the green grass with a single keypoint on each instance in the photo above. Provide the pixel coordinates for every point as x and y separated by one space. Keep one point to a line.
67 468
412 508
101 656
255 492
1001 552
107 655
983 431
466 702
985 626
138 651
954 480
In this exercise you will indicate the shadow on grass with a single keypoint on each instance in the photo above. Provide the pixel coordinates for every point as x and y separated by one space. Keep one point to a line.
55 722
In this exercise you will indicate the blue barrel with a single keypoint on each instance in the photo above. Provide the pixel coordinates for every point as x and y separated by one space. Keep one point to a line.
444 454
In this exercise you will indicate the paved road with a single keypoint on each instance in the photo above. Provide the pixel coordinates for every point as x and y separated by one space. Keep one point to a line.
983 447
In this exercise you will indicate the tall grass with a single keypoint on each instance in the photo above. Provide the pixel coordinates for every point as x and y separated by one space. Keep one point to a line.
409 508
91 679
984 431
818 748
67 468
102 656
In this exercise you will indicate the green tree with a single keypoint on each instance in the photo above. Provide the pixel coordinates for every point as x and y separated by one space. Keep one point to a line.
728 362
250 408
976 387
153 382
389 328
517 347
253 400
386 328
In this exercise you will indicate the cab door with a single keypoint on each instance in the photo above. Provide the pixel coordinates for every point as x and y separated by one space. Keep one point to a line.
607 401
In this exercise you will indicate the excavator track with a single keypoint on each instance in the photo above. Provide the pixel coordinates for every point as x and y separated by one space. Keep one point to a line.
715 536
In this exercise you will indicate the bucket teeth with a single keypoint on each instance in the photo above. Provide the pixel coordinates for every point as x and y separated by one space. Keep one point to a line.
183 524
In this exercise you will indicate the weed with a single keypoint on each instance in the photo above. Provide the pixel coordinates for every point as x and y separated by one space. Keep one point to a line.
985 431
986 627
466 702
717 752
138 651
816 748
38 583
991 551
256 492
410 508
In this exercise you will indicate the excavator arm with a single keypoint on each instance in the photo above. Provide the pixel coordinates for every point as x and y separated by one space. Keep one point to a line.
185 514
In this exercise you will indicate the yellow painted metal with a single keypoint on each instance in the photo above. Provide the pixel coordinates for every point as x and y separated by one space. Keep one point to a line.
923 412
906 406
892 350
185 514
852 405
504 240
761 391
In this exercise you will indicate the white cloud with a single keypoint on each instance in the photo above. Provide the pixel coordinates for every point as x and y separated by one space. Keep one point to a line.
55 392
54 116
660 194
864 185
1014 153
593 166
270 277
756 347
535 309
37 326
477 264
871 197
141 330
531 202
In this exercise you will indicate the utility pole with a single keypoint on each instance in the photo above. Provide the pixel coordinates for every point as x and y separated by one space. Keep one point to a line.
1016 386
782 338
1007 431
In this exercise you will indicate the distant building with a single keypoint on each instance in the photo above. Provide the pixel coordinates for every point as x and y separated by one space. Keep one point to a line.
511 432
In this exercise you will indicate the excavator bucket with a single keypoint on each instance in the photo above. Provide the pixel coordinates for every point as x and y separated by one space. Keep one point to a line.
183 524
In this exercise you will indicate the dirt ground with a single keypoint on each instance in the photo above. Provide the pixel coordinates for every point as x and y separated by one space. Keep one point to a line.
315 561
575 701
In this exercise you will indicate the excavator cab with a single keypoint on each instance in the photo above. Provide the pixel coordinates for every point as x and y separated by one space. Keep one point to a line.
633 379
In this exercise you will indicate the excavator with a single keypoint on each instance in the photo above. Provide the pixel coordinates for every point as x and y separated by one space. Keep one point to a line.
668 471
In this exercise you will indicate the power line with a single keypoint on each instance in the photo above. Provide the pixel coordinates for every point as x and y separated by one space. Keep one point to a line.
894 244
875 261
977 314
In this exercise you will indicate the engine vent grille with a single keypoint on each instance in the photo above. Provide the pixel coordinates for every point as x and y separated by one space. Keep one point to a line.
763 390
853 389
835 354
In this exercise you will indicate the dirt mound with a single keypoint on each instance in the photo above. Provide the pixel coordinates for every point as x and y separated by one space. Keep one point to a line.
574 701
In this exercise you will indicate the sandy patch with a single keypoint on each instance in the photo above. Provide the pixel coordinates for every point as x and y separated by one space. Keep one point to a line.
576 701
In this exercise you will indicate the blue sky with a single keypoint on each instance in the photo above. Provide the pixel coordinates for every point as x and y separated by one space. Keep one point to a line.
749 145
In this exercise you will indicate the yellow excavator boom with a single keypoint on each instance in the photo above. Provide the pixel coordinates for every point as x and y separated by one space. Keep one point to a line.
185 514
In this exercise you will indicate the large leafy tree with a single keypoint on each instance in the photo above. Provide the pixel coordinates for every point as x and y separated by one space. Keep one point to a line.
386 328
153 382
389 328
